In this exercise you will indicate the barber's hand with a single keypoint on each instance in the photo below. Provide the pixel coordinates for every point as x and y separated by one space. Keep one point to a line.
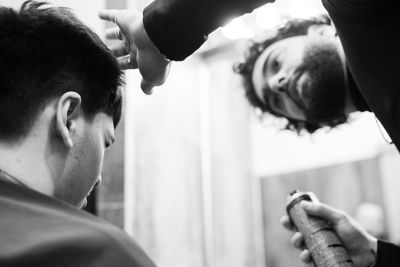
360 245
135 49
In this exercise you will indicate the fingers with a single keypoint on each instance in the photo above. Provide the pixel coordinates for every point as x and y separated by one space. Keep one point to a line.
109 15
324 211
285 221
126 62
123 18
114 34
305 256
297 240
153 66
147 87
120 49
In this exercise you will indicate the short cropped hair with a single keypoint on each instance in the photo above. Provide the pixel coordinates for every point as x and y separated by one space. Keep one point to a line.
46 51
296 27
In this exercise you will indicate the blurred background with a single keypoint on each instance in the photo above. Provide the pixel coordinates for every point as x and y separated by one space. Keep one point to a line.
198 180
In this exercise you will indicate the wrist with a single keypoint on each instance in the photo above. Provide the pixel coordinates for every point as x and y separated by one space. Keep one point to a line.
144 42
152 64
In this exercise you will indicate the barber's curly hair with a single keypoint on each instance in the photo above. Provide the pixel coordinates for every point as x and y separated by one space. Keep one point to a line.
293 27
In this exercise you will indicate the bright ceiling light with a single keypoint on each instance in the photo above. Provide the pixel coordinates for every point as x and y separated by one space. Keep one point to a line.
237 29
268 17
302 9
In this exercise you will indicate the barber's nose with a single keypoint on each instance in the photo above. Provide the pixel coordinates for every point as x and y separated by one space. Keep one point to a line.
278 83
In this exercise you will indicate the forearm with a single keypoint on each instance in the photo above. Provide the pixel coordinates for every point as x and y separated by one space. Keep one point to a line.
180 27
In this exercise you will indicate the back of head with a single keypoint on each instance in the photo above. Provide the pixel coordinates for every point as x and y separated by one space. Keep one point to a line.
44 52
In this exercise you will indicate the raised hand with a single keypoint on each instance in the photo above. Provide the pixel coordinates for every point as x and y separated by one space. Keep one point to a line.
135 49
360 245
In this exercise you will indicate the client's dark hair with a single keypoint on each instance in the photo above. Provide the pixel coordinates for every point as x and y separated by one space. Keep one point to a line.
46 51
316 116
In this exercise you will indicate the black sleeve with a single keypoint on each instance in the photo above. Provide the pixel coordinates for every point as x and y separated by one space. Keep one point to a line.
180 27
388 255
354 7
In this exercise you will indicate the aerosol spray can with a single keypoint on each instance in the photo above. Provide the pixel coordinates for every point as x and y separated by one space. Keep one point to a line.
320 238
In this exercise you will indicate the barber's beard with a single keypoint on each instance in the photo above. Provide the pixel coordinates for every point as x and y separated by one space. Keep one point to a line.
327 109
327 96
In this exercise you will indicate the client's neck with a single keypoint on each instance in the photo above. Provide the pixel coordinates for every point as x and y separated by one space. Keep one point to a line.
25 163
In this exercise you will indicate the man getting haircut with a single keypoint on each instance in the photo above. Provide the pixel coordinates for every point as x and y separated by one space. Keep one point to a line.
60 102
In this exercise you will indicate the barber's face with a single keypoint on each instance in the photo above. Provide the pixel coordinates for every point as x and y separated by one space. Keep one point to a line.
83 169
278 80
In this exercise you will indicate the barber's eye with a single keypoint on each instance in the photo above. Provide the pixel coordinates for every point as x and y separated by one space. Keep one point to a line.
275 64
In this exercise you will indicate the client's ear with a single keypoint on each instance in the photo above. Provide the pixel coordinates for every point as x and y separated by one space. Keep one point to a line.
68 107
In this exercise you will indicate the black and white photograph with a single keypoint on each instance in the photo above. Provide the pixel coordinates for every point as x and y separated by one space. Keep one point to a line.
201 133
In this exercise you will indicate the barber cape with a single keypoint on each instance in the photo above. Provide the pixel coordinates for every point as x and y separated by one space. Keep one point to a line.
39 231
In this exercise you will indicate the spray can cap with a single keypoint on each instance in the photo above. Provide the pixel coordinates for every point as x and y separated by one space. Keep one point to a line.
296 196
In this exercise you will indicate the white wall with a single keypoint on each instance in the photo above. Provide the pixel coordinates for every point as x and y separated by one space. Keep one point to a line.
85 10
283 151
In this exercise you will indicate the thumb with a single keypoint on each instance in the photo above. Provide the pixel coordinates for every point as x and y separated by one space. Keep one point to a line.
109 14
147 87
323 211
123 18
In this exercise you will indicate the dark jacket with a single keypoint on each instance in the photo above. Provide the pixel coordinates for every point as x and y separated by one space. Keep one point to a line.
180 27
367 30
37 230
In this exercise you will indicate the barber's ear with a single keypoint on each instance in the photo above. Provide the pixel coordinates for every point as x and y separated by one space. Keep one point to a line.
68 107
